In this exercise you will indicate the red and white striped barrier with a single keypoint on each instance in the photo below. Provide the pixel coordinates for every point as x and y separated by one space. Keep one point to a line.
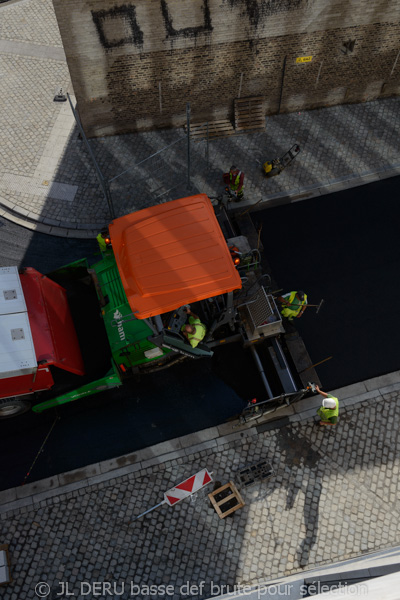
183 490
187 487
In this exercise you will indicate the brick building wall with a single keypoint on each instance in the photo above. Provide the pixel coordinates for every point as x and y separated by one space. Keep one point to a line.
134 65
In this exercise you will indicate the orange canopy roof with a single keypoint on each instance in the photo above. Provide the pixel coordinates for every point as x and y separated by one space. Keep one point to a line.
172 254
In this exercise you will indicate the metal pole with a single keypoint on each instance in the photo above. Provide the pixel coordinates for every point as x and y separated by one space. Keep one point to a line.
160 95
102 181
189 185
240 84
394 64
207 149
283 79
147 511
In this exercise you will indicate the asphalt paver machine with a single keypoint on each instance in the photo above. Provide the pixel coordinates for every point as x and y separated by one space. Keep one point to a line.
90 325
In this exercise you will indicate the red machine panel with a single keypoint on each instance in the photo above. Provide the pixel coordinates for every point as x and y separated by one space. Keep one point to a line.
26 384
52 327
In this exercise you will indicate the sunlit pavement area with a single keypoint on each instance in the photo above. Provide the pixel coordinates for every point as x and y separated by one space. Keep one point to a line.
333 496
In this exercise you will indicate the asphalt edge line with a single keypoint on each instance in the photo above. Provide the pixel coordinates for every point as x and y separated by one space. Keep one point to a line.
212 438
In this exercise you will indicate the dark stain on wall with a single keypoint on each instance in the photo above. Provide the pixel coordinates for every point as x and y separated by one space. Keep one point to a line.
258 10
127 14
187 32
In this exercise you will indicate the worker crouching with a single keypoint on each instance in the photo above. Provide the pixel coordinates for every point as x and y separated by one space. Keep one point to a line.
293 304
195 330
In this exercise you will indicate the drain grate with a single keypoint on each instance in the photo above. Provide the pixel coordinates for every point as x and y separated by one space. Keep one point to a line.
258 471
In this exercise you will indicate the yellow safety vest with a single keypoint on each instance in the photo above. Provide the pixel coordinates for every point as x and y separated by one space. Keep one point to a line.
326 414
296 305
195 338
234 184
101 242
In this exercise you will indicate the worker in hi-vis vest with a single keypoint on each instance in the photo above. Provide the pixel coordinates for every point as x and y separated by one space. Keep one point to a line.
293 304
235 179
104 240
194 331
329 411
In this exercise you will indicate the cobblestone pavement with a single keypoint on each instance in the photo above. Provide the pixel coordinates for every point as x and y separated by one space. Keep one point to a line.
334 496
48 183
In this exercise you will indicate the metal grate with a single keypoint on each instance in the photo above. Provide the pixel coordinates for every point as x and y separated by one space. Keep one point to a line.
260 309
257 472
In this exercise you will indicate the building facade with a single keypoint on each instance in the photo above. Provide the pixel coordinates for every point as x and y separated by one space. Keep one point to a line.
135 65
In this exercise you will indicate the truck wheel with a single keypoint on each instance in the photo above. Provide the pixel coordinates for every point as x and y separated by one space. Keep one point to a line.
12 407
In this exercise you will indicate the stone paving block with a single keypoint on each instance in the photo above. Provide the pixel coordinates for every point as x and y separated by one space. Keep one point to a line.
307 404
350 391
389 172
198 437
228 428
51 222
239 435
200 447
157 460
347 402
7 496
303 416
119 472
383 381
390 388
62 490
166 447
38 486
79 474
16 505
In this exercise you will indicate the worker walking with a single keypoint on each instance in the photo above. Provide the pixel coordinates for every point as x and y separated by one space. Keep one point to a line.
195 330
293 304
104 240
235 179
329 411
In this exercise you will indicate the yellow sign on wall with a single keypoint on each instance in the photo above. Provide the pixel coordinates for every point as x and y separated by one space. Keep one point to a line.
302 59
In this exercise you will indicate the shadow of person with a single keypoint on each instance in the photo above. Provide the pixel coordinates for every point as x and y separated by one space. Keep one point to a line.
298 455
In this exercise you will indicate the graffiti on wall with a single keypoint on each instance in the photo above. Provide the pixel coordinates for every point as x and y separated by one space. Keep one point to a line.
258 10
206 27
129 29
119 25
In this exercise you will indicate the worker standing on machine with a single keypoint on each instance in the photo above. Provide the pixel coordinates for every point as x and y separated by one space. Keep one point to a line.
235 179
293 304
104 240
329 411
194 331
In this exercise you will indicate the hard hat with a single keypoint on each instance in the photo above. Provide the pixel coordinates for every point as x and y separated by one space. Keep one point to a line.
328 403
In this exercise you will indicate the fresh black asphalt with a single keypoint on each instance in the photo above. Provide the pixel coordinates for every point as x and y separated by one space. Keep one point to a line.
342 248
